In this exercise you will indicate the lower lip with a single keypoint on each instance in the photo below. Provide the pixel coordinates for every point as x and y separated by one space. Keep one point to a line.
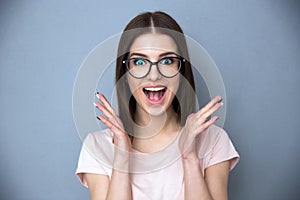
156 102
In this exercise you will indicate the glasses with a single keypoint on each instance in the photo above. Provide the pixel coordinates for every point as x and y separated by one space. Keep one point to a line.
141 67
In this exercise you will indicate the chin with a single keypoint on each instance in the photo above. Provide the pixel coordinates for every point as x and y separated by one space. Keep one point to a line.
157 110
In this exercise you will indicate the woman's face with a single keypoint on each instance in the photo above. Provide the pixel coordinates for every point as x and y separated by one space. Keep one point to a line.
153 93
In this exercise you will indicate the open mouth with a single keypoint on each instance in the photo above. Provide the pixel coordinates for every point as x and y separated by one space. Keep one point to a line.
155 94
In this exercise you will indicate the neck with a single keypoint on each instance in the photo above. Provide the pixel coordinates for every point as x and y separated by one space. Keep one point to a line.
154 133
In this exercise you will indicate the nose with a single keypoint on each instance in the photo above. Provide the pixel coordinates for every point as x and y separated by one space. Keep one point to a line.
154 73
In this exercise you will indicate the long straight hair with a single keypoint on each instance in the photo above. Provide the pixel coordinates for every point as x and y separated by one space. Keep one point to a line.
184 101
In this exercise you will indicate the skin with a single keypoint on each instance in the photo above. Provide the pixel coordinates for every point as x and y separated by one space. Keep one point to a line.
148 116
213 185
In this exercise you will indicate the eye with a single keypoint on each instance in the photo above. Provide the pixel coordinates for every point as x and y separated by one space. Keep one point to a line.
167 61
139 61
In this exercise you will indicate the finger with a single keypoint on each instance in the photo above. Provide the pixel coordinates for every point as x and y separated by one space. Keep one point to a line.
115 129
103 109
207 124
210 104
108 110
118 133
111 117
104 101
212 110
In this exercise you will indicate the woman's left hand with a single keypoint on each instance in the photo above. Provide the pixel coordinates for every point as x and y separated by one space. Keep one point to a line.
195 124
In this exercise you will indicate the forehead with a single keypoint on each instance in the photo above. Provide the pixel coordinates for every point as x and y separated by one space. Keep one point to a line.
154 41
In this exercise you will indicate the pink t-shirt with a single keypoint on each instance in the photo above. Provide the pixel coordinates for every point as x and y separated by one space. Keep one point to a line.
158 175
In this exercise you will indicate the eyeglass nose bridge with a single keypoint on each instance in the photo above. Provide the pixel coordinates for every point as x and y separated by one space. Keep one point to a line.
150 67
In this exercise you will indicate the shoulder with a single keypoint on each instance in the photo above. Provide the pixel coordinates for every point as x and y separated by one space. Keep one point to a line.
105 134
96 155
215 146
212 139
97 138
99 145
208 139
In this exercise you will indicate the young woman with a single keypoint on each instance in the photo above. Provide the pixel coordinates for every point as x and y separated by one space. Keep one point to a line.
158 146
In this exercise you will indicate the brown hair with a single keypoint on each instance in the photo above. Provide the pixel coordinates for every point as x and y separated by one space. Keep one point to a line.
148 22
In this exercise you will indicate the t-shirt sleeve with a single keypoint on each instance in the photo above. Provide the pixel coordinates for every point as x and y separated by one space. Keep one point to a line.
222 150
88 164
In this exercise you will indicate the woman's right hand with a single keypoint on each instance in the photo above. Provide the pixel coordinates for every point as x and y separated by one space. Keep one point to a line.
113 122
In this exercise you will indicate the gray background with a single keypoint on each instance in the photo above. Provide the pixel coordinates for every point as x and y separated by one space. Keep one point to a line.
254 43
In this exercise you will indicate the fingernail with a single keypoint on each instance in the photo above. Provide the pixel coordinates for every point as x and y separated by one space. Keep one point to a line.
98 118
217 119
220 100
95 104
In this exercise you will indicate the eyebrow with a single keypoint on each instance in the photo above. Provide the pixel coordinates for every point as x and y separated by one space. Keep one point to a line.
160 55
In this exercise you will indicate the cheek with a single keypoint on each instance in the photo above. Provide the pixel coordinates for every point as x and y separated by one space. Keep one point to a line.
174 85
133 84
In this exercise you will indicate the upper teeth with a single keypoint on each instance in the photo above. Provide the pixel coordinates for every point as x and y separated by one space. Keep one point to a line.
155 88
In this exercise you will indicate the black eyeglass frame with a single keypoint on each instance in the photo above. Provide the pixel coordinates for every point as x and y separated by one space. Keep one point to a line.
154 63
